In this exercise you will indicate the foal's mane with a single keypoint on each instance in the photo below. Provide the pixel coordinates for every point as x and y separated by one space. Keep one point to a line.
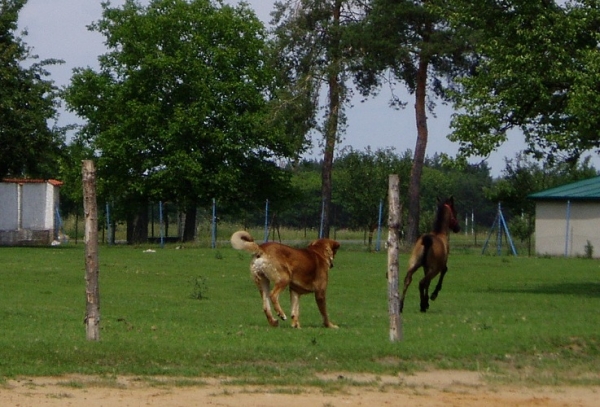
438 224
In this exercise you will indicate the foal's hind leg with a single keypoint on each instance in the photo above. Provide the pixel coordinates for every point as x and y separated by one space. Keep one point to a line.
407 281
423 291
438 287
424 288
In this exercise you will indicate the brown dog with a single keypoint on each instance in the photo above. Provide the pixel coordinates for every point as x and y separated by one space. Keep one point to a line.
304 270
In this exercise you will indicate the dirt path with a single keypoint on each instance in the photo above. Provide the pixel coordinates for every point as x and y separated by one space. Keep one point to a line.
431 389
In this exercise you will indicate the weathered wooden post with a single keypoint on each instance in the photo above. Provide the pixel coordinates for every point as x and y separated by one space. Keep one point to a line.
394 225
92 290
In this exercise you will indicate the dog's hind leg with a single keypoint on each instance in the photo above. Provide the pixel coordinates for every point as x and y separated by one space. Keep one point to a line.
279 287
263 287
295 303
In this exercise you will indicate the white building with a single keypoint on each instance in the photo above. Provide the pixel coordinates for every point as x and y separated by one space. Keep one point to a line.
567 219
28 211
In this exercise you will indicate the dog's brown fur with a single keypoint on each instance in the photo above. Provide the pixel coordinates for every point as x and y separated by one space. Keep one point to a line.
304 270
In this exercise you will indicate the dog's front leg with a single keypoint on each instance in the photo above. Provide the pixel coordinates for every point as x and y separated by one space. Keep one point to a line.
322 304
295 303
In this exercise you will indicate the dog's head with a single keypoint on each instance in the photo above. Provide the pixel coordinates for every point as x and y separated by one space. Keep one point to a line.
327 247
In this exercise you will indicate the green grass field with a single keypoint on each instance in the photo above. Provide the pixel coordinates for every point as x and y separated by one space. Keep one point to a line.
196 312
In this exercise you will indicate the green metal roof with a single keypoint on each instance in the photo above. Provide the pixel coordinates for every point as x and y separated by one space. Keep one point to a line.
586 190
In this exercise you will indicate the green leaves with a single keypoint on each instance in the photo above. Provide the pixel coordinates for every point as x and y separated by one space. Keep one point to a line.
536 71
178 106
28 146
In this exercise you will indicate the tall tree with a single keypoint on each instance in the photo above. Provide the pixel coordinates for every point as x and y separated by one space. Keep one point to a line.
537 72
412 41
28 147
177 110
309 41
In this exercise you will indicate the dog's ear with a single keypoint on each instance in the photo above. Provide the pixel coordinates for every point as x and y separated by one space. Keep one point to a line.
334 246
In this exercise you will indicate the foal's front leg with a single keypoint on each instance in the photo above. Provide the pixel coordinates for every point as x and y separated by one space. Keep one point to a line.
438 287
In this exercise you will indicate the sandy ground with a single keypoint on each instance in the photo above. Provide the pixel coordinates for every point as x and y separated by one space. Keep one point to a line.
431 389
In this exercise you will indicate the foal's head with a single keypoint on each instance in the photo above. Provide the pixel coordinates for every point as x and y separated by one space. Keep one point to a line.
446 216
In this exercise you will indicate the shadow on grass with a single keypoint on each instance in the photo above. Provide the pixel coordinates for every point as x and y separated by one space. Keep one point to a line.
591 290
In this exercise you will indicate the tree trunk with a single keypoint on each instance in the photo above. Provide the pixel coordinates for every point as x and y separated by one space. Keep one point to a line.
331 126
394 225
189 228
414 188
137 226
92 290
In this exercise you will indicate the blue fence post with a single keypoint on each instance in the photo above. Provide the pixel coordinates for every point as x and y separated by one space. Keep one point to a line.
567 231
214 224
267 220
378 244
508 237
58 225
108 226
499 234
322 219
161 224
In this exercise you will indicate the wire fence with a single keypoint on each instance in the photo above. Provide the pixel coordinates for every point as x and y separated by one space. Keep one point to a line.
166 224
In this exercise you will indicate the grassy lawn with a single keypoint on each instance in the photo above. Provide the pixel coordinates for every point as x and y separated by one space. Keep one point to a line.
196 312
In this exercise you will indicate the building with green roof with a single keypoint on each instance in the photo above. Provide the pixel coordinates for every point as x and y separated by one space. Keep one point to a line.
567 219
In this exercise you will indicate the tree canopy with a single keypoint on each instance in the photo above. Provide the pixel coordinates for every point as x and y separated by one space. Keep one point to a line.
28 101
177 110
536 69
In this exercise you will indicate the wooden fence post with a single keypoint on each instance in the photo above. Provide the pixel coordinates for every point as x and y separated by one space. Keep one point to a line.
394 225
92 290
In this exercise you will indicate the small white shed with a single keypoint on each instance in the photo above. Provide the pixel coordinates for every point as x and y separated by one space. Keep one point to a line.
567 219
28 211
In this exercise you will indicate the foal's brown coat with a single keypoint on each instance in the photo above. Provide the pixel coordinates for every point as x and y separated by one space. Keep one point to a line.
431 252
304 270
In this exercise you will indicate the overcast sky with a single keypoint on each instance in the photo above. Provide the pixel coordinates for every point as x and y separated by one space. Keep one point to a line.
57 29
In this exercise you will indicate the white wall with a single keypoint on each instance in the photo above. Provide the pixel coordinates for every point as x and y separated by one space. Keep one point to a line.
555 235
34 206
38 202
8 206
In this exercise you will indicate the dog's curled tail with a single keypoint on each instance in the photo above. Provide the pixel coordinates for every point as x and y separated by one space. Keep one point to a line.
242 240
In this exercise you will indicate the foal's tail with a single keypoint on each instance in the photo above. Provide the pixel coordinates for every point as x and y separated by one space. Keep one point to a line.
242 240
427 242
